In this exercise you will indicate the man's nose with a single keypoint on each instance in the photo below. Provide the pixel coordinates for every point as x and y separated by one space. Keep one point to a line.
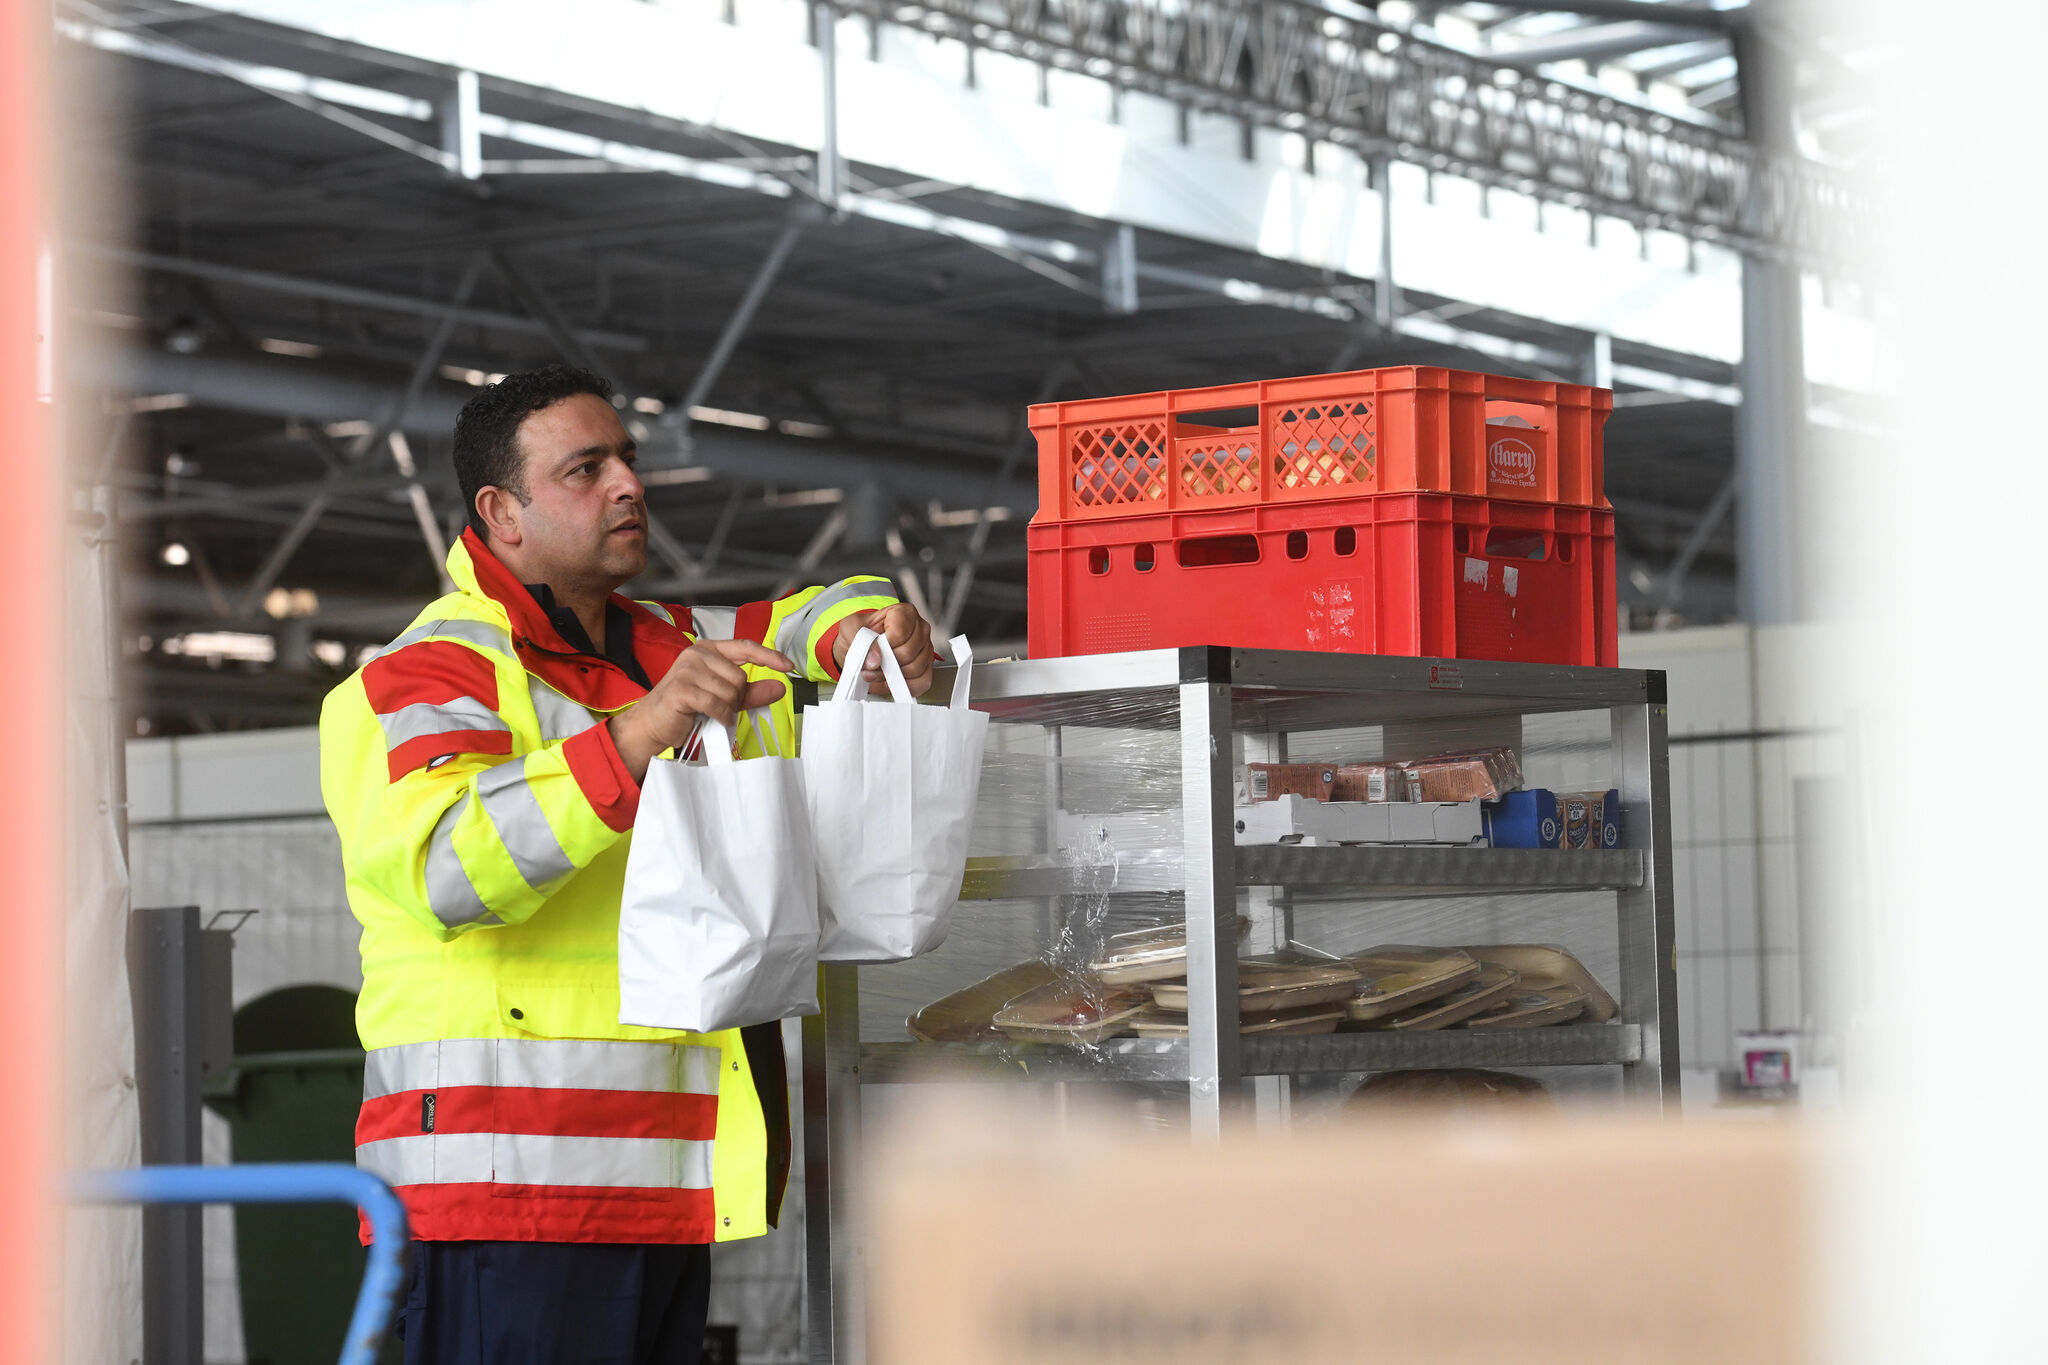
626 486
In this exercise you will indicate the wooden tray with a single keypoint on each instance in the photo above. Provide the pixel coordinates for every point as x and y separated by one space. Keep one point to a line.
1491 986
1071 1012
1398 977
1157 954
1543 966
968 1015
1158 1023
1533 1009
1264 987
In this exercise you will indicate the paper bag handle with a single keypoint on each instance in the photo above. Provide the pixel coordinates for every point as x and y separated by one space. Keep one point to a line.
963 655
718 740
853 683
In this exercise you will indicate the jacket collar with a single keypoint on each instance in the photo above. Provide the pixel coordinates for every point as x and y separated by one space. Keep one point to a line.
591 679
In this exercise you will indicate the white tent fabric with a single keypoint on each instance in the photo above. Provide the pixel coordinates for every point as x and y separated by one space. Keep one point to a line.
103 1247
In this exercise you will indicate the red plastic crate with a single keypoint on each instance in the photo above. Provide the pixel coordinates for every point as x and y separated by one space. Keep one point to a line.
1426 574
1316 437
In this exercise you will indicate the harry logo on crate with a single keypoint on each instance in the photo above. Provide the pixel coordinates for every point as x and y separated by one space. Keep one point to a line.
1511 461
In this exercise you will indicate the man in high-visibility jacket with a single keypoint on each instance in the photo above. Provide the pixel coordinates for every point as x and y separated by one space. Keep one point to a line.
564 1172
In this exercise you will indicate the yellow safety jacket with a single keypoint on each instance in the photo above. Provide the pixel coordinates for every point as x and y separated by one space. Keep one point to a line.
484 817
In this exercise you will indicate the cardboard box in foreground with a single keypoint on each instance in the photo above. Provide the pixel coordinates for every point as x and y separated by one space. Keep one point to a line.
1423 1243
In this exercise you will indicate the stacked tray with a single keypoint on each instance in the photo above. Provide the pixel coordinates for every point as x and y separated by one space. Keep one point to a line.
1139 985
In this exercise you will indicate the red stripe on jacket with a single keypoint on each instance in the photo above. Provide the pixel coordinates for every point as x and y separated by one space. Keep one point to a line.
418 752
549 1112
432 671
558 1213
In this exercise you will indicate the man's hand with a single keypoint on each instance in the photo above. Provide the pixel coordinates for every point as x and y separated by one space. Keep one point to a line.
910 639
705 680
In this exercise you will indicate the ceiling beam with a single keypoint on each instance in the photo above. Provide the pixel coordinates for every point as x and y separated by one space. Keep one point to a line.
317 391
1692 16
1592 43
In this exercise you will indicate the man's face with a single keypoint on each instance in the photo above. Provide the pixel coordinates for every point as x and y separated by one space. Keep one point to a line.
585 520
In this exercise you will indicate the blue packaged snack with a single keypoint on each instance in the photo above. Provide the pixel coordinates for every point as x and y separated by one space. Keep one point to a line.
1524 819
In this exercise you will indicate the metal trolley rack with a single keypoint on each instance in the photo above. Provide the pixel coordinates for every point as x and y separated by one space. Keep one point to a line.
1231 706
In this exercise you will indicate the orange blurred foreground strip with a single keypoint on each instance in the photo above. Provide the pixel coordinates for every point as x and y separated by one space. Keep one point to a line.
31 697
1431 1235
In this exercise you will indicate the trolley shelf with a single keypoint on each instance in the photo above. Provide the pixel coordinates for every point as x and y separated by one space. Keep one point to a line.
1166 1059
1386 871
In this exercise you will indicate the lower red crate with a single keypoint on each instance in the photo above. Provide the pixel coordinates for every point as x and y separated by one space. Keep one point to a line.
1429 574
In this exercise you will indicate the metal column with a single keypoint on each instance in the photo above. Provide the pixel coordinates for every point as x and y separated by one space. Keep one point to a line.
167 975
1649 977
1210 845
833 1324
1770 424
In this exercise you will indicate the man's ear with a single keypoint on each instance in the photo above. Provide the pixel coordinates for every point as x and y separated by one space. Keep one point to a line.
499 512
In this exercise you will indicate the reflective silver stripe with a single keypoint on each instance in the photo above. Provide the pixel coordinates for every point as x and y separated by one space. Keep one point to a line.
450 894
482 634
543 1064
534 1159
559 717
714 623
659 610
522 826
794 639
438 718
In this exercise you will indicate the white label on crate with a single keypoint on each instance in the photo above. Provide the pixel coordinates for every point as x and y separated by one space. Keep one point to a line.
1475 572
1510 578
1511 462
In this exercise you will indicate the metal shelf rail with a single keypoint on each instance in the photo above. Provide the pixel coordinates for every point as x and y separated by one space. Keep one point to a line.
1230 704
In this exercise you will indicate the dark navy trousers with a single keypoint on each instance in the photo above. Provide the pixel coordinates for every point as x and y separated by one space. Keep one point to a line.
554 1303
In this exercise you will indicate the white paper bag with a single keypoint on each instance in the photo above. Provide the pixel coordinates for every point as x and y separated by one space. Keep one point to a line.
892 787
718 926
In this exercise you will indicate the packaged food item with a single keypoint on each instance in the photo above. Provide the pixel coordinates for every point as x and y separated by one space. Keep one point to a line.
1264 781
1263 987
1482 776
968 1015
1478 775
1491 985
1159 1023
1074 1011
1156 954
1543 966
1533 1009
1540 818
1396 977
1375 782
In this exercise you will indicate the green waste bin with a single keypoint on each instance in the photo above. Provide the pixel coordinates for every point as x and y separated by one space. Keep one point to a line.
291 1095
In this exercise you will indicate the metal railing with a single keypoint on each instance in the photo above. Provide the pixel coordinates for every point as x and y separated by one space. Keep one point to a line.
283 1183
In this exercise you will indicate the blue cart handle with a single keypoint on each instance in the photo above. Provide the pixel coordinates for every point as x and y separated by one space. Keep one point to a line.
282 1182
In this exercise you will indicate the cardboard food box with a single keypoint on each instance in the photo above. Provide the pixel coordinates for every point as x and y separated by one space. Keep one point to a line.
1072 1012
1396 977
1390 1240
1480 993
1156 954
1160 1023
968 1015
1543 966
1263 987
1533 1009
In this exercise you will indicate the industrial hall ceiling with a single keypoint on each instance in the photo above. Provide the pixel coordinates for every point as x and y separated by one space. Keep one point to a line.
292 294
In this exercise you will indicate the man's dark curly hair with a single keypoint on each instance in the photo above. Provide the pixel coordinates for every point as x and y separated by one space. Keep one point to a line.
487 450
